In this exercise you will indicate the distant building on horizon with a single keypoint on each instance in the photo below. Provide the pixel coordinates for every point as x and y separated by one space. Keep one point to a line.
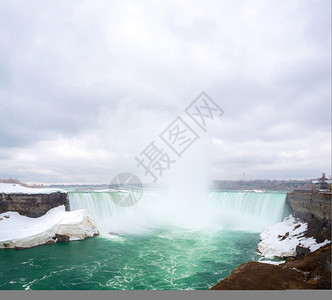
322 183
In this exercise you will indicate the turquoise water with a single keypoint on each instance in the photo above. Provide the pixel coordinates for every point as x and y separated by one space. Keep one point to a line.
163 259
164 242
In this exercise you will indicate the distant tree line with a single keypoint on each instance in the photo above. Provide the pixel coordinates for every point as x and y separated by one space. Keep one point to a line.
272 185
17 181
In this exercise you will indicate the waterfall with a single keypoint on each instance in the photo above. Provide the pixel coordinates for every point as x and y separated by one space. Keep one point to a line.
248 211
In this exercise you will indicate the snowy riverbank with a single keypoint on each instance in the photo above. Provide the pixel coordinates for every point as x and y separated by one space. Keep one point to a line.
17 231
14 188
282 239
308 263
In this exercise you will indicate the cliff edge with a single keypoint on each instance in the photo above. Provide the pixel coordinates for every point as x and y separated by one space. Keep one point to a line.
309 205
30 202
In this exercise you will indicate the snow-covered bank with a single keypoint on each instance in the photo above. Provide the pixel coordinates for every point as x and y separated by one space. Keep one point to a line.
281 239
18 231
14 188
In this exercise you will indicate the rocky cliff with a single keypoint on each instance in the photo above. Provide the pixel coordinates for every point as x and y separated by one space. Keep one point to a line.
32 205
311 204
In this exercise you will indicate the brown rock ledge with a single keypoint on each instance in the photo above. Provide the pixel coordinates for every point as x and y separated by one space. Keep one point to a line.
312 271
32 205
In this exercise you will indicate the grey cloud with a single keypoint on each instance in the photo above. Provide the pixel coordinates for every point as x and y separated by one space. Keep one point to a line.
105 78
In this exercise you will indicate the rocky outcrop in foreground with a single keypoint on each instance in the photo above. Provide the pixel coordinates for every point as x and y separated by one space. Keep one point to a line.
312 271
305 245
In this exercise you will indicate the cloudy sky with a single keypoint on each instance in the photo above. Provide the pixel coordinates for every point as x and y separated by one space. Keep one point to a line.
86 86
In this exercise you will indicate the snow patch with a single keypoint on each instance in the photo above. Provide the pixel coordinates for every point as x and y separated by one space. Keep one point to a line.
25 232
271 262
281 239
13 188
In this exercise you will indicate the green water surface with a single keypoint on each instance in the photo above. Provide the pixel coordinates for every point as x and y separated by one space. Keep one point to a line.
160 260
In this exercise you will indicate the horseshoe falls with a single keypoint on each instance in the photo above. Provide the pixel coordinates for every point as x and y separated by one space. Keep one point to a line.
249 211
167 241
